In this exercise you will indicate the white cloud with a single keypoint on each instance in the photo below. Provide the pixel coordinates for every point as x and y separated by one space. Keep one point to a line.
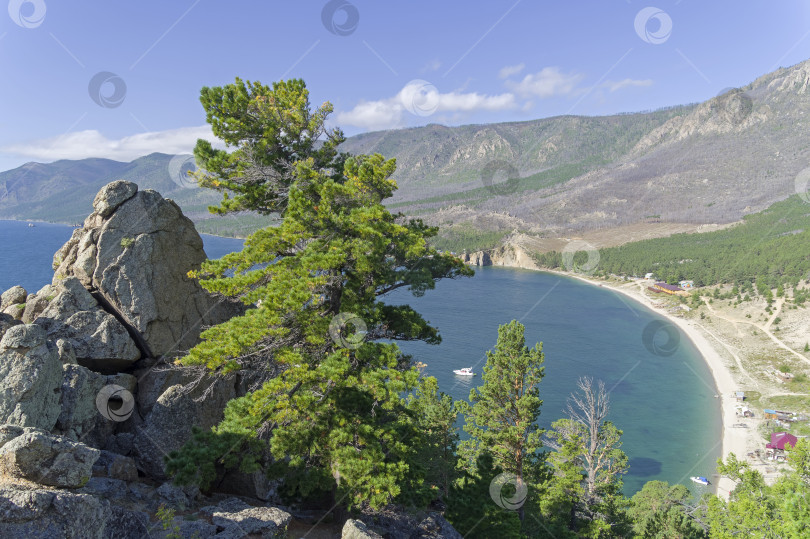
508 71
420 98
548 82
613 86
372 115
91 143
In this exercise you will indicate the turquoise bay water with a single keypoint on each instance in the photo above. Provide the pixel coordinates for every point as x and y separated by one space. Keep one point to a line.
665 405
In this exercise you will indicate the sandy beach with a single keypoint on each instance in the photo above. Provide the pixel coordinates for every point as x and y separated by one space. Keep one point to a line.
739 441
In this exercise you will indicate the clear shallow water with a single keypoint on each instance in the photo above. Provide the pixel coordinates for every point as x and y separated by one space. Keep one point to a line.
665 405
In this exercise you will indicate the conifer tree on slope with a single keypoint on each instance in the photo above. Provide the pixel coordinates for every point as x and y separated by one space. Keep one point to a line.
502 414
335 417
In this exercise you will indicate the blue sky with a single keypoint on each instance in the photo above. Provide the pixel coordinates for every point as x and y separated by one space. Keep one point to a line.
382 64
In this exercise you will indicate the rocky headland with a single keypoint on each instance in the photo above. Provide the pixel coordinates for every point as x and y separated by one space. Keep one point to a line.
91 402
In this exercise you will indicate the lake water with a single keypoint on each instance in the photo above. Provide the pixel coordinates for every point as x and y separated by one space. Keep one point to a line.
664 404
26 253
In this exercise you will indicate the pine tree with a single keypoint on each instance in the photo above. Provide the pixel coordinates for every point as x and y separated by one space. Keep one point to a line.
335 418
502 414
272 128
435 415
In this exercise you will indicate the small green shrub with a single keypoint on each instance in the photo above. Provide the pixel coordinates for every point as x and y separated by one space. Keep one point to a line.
166 517
127 242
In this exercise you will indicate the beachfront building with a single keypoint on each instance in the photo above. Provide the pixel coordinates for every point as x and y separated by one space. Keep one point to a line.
779 442
669 289
648 276
739 395
779 415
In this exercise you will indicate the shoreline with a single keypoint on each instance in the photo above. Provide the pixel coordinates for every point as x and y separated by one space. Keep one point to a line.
732 440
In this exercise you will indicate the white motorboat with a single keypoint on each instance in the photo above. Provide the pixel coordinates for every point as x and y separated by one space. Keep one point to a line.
700 480
465 371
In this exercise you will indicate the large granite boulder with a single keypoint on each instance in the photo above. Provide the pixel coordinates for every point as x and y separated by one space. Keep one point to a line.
136 250
356 529
80 418
36 303
13 296
98 340
167 426
30 378
50 460
396 523
34 513
262 521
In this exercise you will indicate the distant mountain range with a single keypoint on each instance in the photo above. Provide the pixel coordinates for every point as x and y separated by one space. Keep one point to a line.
671 169
63 191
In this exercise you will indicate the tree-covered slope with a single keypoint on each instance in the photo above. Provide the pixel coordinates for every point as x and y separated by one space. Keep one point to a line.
772 245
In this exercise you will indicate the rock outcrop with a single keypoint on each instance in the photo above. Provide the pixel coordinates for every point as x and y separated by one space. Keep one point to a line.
30 378
168 424
89 408
49 460
80 418
391 523
43 513
509 255
13 296
135 252
356 529
98 340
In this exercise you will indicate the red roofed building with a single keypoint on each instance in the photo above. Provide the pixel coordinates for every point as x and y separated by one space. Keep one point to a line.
781 439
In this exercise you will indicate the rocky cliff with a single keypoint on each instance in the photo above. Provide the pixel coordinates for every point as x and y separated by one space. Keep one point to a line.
509 255
91 403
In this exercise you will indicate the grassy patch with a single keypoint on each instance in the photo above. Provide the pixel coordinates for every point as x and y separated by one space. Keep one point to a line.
790 403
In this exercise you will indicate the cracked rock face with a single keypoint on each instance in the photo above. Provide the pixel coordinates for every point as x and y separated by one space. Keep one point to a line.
136 250
88 335
30 378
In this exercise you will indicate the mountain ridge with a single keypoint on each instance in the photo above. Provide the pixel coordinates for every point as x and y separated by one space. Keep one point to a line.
710 162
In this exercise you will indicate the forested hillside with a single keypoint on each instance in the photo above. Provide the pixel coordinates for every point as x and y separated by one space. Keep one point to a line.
771 245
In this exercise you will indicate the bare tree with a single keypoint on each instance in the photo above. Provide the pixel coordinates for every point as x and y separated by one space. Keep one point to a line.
586 442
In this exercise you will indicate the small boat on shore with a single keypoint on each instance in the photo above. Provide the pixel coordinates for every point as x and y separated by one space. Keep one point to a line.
700 480
465 371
